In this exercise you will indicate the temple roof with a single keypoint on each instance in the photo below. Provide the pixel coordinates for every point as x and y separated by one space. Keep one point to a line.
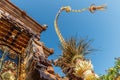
24 19
17 28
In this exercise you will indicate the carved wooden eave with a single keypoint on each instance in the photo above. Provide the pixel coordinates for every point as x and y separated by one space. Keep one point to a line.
14 20
13 37
24 19
48 51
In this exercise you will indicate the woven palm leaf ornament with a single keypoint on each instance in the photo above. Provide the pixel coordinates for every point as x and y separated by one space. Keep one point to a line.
92 9
74 55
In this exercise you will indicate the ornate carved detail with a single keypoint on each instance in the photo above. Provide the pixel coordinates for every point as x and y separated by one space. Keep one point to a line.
9 71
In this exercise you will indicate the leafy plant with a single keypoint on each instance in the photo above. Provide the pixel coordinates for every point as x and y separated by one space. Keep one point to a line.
113 73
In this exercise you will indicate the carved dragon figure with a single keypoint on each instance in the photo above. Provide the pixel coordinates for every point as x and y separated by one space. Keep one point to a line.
75 65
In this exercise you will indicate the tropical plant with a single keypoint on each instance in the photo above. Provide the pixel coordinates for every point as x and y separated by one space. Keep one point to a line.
113 73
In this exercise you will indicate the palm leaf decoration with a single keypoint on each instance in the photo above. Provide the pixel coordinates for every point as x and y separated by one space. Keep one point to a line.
75 49
72 60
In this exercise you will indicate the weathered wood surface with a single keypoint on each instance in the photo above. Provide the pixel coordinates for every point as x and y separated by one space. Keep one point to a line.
6 6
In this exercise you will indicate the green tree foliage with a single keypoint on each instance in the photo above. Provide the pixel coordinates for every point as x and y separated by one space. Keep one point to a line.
112 73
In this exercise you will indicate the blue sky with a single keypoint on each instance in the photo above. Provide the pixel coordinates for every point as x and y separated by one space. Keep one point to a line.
103 27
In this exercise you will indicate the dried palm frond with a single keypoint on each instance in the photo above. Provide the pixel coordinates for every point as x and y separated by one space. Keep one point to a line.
75 48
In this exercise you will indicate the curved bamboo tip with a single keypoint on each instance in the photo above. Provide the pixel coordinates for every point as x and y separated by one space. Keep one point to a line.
93 8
